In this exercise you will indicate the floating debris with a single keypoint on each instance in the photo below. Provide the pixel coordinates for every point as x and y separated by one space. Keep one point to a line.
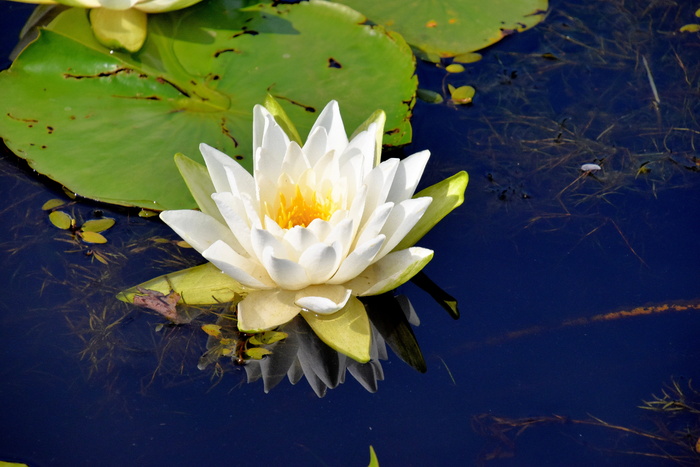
590 168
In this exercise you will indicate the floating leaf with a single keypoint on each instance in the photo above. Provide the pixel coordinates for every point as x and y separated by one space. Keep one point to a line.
163 304
213 330
92 237
461 95
107 123
429 96
52 204
97 225
470 57
61 220
690 28
454 68
146 213
445 28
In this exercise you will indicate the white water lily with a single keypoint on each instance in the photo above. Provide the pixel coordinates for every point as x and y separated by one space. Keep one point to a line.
313 228
120 24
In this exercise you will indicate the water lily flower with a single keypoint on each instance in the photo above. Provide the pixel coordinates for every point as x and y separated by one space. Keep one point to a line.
120 24
312 229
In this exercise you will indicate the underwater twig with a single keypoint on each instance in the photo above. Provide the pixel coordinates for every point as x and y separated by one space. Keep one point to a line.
651 81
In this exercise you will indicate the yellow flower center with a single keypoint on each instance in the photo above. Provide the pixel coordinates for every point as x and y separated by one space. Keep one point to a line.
301 210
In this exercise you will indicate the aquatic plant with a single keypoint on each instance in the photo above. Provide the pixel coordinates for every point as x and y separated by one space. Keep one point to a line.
315 227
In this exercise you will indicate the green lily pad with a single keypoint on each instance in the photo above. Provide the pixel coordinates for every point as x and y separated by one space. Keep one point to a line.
445 28
106 124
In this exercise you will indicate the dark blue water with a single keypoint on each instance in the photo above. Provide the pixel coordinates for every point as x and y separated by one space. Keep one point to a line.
533 246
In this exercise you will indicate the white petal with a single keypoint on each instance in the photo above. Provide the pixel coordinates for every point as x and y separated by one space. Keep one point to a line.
322 299
295 161
390 272
357 261
342 233
268 134
407 176
246 272
287 274
401 220
240 180
238 225
332 122
379 182
216 162
316 145
375 223
298 239
260 121
364 142
198 229
266 309
320 262
320 228
262 240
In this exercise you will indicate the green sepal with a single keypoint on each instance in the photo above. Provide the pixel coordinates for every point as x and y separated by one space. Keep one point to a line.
282 119
200 285
347 331
378 117
199 183
447 195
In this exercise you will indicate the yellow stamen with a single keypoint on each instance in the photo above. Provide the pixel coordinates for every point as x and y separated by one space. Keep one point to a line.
301 210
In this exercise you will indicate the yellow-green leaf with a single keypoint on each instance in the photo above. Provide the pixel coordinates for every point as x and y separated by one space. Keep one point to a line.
690 28
52 204
92 237
97 225
470 57
213 330
462 95
454 68
146 213
346 331
447 195
61 220
200 285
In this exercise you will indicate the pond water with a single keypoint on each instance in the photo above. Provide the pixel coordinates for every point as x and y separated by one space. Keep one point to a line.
539 370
